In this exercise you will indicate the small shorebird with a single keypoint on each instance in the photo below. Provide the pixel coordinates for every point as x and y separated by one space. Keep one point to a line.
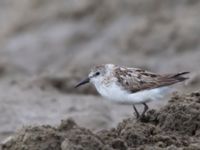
131 85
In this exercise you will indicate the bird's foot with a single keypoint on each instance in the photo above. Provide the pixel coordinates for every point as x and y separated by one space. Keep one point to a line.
137 115
143 118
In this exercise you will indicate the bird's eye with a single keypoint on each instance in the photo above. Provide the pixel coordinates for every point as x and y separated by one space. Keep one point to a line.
97 73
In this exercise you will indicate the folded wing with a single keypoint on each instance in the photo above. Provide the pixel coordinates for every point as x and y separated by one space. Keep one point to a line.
134 79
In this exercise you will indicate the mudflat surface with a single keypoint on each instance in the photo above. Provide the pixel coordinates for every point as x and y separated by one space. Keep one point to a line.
46 47
175 126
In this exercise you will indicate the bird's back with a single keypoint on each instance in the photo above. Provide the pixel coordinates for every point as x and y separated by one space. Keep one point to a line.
135 80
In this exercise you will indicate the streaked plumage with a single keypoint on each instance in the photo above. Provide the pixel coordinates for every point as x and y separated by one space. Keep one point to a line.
131 85
134 79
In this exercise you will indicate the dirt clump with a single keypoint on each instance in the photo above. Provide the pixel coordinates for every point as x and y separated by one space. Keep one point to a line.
181 115
43 137
175 126
64 137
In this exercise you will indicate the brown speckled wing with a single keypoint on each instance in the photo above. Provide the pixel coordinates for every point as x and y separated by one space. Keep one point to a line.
134 79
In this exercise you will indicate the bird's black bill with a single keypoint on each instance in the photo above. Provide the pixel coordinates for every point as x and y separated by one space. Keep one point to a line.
87 80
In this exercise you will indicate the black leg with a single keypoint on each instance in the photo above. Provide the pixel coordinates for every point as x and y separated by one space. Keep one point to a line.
145 109
136 112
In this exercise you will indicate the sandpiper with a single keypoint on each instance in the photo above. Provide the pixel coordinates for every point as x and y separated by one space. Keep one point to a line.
131 85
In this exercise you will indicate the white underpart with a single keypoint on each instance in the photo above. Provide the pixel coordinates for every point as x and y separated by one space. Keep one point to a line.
115 93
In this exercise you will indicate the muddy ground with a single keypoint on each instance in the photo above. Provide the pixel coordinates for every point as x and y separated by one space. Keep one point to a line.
175 126
47 46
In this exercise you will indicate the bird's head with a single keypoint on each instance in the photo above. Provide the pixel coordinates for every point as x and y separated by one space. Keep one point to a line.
97 74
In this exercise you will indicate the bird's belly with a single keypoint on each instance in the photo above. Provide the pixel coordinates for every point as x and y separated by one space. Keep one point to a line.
113 93
119 95
116 94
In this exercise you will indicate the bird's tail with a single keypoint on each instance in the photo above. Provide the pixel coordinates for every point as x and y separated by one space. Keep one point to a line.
180 77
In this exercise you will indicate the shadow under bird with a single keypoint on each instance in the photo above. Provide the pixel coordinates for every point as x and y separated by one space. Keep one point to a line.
131 85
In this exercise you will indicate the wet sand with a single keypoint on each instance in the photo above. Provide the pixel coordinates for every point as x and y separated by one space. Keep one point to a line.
175 126
46 47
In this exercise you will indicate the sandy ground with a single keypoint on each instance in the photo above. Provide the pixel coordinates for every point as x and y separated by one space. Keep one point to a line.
47 46
175 126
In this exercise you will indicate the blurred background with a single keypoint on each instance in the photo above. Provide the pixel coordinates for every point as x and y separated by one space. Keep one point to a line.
46 46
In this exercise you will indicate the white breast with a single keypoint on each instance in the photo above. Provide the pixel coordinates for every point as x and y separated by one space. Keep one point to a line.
115 93
112 92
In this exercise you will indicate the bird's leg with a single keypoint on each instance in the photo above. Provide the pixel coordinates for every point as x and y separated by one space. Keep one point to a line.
136 112
145 109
